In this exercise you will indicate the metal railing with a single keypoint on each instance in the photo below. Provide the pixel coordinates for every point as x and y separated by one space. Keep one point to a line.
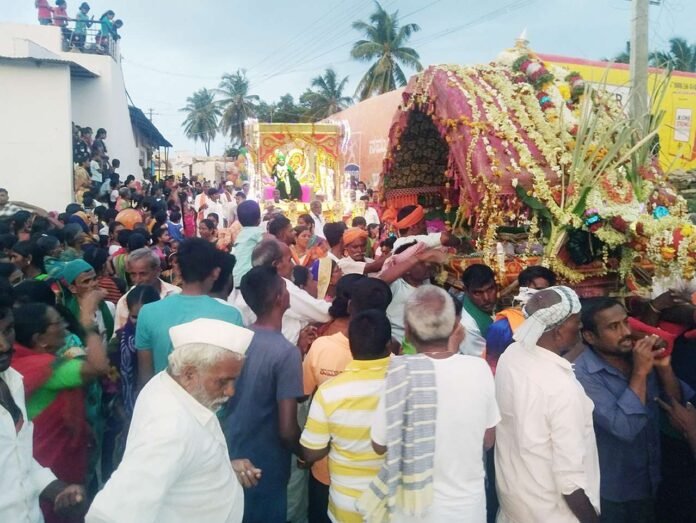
91 41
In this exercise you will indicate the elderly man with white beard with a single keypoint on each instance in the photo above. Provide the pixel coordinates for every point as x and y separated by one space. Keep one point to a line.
176 466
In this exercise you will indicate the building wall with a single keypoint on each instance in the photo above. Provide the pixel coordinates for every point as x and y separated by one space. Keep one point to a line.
35 133
101 102
38 104
369 123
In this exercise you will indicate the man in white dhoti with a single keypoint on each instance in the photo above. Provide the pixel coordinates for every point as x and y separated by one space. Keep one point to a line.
176 467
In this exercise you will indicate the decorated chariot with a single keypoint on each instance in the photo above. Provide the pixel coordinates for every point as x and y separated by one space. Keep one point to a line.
536 166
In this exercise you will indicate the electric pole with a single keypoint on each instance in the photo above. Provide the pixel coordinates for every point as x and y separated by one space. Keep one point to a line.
638 108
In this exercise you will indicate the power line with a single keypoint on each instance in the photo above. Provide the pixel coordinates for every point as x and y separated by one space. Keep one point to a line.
317 42
289 43
306 60
168 73
491 15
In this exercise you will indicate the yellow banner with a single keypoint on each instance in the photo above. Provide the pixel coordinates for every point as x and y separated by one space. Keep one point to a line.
678 129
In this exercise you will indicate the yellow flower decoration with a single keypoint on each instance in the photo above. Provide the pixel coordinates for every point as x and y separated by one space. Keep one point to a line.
565 91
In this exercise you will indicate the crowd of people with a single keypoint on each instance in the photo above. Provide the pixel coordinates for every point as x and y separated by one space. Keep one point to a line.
74 30
173 351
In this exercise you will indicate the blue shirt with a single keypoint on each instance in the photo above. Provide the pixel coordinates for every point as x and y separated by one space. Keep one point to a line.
155 320
628 432
247 240
272 372
498 338
176 231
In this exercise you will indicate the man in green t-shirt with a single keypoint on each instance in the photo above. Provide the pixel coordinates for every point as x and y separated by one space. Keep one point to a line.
199 262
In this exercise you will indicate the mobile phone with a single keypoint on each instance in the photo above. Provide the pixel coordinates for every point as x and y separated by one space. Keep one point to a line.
662 344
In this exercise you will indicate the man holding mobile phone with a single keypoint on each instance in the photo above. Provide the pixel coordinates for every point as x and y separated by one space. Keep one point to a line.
623 377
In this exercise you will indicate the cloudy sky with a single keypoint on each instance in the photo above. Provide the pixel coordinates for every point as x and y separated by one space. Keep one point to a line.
171 48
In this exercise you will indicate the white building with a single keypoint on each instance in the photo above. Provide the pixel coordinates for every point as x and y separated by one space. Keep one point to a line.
42 91
215 169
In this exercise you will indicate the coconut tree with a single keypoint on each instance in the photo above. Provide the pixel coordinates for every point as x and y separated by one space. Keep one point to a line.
624 57
202 115
384 45
680 57
326 97
236 104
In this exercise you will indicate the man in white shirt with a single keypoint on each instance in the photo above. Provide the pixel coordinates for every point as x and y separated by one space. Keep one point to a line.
333 232
209 202
304 309
316 214
229 203
176 466
361 190
143 267
546 462
23 480
408 269
480 299
354 247
371 215
449 461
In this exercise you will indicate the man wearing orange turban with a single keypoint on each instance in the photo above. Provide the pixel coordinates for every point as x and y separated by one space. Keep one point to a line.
354 260
410 222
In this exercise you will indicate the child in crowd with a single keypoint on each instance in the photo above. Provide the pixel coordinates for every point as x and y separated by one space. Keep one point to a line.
128 362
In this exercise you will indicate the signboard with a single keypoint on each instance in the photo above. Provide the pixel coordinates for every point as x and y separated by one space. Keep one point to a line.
677 133
682 125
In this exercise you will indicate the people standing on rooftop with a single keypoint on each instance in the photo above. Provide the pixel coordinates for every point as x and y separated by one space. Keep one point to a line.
44 11
80 32
60 15
106 21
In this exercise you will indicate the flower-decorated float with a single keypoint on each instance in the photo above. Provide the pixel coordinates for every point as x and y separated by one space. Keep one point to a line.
535 167
289 164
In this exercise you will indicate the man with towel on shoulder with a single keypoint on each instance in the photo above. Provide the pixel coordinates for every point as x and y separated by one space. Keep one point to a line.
546 461
176 467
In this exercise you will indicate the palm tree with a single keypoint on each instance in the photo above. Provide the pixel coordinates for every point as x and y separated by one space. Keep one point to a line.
681 56
385 44
202 114
236 103
327 97
624 57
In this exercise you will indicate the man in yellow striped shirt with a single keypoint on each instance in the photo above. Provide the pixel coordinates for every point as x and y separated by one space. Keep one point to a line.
341 413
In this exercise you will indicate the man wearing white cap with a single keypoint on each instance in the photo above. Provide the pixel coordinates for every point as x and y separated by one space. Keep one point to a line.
176 467
546 462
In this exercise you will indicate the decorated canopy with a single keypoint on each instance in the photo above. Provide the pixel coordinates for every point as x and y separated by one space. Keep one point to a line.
521 146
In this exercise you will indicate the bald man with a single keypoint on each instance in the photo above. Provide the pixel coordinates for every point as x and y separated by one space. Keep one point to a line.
546 462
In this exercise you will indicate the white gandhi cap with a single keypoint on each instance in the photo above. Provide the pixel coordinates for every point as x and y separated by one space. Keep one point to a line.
217 333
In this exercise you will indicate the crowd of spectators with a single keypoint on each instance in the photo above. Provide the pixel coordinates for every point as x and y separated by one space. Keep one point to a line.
75 30
349 334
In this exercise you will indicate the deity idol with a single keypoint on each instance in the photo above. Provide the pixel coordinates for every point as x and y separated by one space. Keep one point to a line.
286 183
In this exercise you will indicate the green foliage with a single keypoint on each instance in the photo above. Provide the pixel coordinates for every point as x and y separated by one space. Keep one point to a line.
236 103
384 46
624 57
691 205
202 115
225 109
326 96
680 57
